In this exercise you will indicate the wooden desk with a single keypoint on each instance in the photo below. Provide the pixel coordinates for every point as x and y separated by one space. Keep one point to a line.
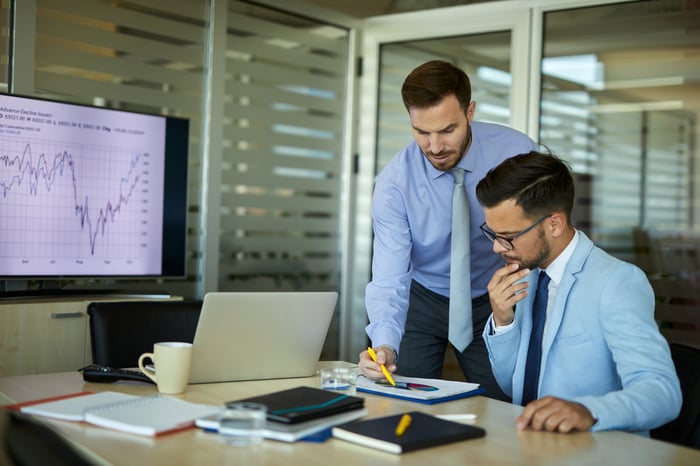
503 444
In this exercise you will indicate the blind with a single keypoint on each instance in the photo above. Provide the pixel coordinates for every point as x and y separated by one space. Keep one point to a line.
283 135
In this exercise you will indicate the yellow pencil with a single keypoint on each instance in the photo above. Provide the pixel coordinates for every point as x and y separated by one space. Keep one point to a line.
386 373
403 424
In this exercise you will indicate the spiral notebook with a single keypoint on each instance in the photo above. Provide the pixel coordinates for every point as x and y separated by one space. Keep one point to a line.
143 415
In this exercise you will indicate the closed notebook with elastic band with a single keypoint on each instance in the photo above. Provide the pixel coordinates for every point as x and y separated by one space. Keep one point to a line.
423 431
302 404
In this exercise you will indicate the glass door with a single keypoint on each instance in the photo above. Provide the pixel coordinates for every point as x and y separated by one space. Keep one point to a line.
489 42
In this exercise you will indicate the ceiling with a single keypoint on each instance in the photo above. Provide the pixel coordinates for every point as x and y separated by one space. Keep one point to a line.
368 8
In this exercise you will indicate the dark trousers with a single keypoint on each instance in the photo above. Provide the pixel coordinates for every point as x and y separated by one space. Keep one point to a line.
424 343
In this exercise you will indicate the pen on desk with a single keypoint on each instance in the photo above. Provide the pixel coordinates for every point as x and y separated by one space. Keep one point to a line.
403 424
457 417
386 373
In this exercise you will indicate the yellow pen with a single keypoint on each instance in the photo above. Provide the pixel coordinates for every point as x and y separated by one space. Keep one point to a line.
403 424
386 373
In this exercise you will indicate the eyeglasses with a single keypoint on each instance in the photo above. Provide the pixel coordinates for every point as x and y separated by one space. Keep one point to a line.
505 241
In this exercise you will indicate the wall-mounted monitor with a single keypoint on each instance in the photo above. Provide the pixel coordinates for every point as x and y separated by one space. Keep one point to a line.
90 192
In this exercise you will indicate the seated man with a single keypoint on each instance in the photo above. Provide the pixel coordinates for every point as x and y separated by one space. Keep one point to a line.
597 360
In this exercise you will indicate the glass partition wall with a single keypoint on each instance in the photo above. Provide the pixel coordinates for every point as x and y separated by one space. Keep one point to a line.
283 129
620 103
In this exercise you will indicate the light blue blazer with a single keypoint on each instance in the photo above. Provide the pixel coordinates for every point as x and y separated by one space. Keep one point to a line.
602 347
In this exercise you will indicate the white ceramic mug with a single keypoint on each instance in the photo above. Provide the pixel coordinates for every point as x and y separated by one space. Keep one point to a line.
172 361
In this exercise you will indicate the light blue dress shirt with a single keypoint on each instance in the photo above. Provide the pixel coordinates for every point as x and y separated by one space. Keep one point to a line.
412 218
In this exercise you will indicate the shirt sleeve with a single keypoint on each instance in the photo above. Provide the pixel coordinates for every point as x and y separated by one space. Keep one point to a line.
387 294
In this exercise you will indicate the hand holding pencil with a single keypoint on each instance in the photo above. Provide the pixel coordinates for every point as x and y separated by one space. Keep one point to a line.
373 355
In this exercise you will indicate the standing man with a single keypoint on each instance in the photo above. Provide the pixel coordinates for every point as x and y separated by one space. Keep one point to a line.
408 299
572 336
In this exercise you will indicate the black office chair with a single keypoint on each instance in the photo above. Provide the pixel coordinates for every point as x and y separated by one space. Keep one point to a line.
685 429
121 331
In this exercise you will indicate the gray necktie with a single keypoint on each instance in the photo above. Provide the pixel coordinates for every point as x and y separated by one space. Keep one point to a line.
460 327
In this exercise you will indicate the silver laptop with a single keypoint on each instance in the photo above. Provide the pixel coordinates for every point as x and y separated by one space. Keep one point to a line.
260 335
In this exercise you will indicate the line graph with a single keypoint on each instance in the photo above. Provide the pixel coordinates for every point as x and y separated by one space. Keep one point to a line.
85 190
44 171
68 202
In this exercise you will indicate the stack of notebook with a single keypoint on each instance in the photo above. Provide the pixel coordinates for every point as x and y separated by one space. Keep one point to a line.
300 412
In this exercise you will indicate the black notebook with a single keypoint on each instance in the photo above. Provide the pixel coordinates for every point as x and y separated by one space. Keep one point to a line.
424 431
302 404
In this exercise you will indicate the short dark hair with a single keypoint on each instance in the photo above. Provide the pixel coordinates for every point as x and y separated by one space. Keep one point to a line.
540 184
430 82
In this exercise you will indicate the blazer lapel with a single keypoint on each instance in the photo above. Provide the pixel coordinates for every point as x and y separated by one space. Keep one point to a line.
574 266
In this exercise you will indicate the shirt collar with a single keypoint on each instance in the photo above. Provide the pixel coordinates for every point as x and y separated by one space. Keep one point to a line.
558 265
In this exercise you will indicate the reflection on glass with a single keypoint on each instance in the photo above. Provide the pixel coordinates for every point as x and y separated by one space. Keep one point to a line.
619 103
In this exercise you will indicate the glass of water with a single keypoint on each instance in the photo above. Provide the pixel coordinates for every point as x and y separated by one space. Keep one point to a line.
242 423
342 380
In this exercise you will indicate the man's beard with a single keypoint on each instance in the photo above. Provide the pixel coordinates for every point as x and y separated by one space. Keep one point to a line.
462 150
542 254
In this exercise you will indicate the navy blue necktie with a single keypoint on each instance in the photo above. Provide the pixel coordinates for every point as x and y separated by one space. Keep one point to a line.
534 351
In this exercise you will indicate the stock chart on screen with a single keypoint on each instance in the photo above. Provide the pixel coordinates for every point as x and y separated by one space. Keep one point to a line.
81 189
